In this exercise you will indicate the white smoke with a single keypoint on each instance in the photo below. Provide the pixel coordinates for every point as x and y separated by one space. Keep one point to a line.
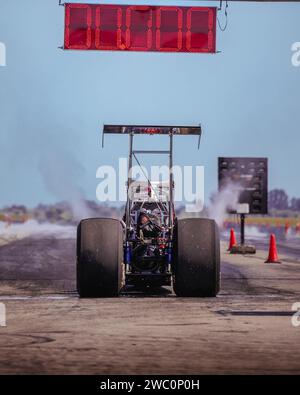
32 228
61 174
254 232
227 198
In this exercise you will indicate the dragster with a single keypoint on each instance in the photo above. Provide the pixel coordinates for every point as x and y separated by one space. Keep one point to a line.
149 247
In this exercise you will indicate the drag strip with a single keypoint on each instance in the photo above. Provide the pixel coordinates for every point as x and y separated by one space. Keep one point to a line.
246 329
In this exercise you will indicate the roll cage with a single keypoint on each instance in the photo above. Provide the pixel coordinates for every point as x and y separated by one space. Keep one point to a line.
150 189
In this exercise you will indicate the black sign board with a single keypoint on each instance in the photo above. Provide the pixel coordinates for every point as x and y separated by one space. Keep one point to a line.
250 175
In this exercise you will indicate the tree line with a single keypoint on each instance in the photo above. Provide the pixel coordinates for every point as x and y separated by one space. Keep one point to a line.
279 200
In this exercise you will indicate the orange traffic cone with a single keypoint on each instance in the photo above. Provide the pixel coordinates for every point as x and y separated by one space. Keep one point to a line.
273 256
232 241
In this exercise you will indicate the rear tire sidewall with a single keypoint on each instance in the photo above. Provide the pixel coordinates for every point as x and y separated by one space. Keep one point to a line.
196 257
99 257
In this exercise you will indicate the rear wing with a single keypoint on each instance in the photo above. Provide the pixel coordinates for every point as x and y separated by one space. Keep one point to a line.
151 130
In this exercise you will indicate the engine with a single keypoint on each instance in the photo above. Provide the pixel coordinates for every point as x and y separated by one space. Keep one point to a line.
150 248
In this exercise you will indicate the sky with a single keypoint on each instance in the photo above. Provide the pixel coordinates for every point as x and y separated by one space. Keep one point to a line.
53 103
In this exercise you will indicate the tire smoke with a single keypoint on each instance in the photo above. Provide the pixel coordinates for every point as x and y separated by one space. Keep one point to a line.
223 201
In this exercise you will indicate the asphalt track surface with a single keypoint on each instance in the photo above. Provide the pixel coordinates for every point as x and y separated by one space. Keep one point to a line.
49 330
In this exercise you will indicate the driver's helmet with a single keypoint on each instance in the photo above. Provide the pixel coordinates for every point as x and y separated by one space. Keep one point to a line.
144 211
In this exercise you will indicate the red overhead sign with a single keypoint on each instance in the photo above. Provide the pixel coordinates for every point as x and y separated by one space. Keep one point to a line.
140 28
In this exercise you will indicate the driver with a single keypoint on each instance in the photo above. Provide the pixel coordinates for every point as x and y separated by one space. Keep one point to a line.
148 225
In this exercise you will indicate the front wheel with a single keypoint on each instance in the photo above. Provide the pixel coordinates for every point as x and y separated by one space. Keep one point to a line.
196 258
